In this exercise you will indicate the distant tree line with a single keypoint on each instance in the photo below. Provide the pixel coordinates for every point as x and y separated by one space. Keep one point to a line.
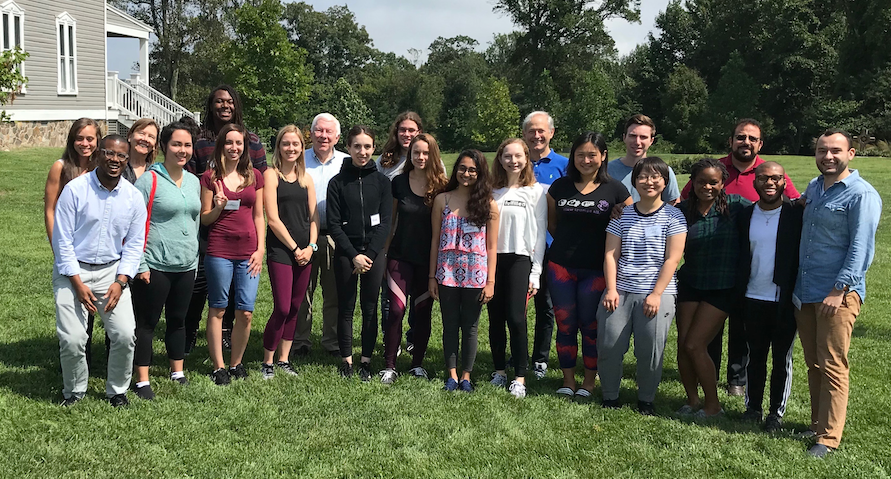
798 66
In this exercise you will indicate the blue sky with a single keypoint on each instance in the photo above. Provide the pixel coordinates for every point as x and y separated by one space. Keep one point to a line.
399 25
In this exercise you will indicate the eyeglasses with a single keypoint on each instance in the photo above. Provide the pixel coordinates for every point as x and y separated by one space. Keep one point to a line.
753 139
470 171
766 178
321 131
111 153
646 178
407 130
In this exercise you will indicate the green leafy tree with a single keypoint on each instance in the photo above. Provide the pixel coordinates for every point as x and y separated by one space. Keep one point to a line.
11 79
495 117
735 97
348 106
593 107
685 103
268 71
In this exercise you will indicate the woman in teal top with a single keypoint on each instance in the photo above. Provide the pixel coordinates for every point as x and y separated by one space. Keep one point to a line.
167 272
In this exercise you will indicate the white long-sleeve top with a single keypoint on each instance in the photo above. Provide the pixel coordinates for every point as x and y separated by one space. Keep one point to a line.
523 224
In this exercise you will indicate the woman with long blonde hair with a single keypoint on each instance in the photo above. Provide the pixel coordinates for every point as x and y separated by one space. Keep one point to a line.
290 201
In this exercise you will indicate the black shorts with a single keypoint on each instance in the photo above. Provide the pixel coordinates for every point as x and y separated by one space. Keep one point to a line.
724 299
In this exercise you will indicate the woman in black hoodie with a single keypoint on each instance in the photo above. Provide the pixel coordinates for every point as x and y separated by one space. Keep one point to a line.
360 202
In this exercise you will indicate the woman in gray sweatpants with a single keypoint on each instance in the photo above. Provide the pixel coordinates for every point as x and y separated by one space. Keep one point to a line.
643 249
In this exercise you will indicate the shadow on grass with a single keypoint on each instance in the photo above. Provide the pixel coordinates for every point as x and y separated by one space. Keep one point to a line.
871 332
33 369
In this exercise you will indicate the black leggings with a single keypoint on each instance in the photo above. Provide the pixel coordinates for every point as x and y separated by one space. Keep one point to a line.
369 291
169 291
460 310
509 306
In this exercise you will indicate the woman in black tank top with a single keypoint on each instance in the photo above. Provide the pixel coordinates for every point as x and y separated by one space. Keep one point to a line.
290 242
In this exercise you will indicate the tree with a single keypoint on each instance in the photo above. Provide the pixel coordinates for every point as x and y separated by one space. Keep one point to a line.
11 79
495 117
684 102
345 104
267 70
593 107
735 97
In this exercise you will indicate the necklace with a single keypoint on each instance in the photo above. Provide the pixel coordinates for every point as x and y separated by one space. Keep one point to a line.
769 216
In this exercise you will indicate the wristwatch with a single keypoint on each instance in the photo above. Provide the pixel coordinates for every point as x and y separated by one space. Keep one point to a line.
314 247
842 287
122 284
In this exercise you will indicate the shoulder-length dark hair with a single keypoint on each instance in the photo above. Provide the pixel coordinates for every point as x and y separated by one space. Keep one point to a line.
71 168
650 164
434 172
167 133
599 141
392 147
244 167
692 210
499 175
210 128
479 204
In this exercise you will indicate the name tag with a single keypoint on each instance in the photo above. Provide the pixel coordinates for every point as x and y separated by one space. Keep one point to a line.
471 228
375 220
652 231
232 205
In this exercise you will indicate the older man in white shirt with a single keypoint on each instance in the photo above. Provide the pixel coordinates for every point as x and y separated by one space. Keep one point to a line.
98 237
323 162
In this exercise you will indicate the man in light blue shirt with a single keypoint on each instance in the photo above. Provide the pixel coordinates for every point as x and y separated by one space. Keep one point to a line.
837 246
98 237
547 165
640 132
323 162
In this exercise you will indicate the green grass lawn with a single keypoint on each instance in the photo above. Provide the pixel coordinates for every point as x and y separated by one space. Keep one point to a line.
318 425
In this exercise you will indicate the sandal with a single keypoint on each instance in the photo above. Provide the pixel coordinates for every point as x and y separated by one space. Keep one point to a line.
565 391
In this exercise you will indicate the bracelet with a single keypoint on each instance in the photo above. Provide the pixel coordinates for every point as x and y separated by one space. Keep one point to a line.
295 248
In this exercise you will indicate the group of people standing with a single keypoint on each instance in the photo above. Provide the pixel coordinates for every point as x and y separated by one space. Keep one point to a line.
595 242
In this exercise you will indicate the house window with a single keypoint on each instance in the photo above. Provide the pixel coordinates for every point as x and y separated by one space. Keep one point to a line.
66 46
12 29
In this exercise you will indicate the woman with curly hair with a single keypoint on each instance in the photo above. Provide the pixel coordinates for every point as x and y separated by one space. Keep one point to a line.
408 253
394 158
462 260
706 281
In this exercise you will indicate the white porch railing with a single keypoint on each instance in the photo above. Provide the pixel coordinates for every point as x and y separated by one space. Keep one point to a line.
135 99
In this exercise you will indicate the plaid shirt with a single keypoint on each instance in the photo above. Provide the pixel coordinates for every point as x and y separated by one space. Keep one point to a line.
712 250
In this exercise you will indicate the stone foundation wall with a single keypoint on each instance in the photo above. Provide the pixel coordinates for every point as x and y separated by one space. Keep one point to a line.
25 134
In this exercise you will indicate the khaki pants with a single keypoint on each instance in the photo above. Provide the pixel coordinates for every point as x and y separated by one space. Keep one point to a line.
825 342
322 271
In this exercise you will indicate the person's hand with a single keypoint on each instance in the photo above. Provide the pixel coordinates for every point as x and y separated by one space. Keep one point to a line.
433 288
303 256
255 263
85 296
113 295
488 292
531 291
832 302
611 300
144 277
219 196
616 213
361 264
651 305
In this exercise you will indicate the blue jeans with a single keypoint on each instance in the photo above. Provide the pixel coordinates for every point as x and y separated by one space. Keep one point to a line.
220 273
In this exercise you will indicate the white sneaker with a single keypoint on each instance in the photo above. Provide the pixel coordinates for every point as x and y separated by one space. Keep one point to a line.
517 390
388 376
540 370
418 372
498 380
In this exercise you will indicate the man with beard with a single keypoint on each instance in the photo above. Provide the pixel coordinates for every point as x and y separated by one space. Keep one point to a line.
769 233
741 163
837 246
98 234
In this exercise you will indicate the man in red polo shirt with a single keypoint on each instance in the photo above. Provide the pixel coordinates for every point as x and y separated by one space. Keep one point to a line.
745 144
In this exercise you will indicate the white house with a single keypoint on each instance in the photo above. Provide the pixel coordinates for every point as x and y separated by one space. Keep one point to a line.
66 70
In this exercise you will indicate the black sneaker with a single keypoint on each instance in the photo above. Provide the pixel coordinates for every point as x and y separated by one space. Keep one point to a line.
119 400
182 381
346 370
145 392
646 408
268 371
227 339
286 367
70 401
220 377
752 415
773 423
611 404
365 371
238 371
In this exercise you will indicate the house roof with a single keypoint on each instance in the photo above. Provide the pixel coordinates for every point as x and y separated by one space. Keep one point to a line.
120 24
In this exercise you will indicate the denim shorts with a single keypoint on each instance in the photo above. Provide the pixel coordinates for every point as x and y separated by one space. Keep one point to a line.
221 274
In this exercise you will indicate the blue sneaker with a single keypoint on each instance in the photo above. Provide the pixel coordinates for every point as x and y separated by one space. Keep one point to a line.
465 386
450 385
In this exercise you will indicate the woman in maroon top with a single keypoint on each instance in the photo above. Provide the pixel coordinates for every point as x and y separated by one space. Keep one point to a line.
232 206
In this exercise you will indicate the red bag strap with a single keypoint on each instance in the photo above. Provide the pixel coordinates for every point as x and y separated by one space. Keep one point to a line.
151 201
